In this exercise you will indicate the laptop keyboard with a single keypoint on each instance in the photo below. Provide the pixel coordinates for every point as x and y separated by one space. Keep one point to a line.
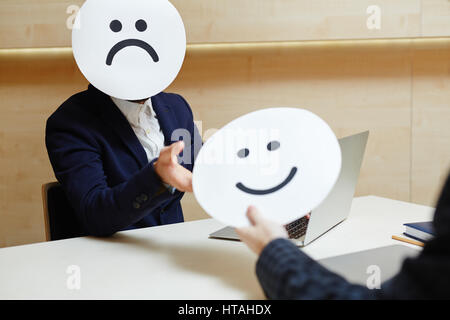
297 228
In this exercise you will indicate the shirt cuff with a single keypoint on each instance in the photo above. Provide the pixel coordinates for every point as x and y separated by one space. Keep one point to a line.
170 188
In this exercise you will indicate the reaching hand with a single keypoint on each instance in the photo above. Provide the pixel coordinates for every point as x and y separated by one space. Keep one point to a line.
261 231
170 171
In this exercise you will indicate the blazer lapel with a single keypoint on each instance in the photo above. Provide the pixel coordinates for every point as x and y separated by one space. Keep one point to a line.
168 123
112 115
166 118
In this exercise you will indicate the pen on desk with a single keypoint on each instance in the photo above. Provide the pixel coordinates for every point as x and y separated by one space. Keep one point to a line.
417 243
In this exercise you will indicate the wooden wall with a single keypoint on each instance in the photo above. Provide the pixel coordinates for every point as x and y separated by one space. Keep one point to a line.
399 89
42 23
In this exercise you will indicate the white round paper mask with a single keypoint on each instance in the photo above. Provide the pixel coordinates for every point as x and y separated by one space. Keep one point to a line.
284 161
129 49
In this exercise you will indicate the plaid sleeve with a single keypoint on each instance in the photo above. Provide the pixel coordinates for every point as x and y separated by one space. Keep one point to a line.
285 272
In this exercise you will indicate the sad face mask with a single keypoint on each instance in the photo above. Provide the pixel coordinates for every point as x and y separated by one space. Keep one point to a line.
129 49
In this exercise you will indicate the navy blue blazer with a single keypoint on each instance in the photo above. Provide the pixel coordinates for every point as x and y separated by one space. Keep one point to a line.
103 167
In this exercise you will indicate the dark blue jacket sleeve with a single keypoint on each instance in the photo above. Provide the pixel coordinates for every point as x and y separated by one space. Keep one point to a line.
285 272
77 162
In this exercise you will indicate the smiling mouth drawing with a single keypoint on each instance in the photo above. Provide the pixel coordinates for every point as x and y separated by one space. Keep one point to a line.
131 43
291 175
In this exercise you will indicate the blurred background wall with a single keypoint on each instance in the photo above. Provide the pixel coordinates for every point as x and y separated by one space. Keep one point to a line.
243 55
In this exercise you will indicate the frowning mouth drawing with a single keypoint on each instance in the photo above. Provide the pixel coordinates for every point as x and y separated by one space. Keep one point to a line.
131 43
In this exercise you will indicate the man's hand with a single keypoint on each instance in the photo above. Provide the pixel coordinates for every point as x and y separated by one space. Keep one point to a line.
170 171
261 231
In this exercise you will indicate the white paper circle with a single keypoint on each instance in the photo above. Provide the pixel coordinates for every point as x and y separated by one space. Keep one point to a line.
284 161
129 49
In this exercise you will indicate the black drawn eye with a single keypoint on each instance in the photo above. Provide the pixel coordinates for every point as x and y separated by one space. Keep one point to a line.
141 25
273 145
115 26
243 153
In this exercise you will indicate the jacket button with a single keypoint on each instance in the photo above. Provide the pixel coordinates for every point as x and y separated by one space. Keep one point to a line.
142 198
136 205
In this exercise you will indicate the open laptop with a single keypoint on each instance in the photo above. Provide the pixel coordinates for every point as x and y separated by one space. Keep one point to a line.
336 206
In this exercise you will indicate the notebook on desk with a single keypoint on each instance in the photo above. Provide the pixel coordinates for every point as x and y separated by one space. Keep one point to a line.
422 231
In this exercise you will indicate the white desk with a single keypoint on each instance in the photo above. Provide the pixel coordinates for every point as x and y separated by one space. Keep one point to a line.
179 261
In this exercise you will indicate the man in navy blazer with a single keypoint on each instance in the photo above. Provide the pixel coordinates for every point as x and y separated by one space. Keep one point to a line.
104 170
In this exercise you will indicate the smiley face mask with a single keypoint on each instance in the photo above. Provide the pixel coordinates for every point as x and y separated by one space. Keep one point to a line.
284 161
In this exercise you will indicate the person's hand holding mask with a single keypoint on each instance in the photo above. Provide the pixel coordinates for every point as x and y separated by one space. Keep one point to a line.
260 232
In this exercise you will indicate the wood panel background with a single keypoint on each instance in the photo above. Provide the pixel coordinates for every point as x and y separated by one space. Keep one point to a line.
42 23
396 88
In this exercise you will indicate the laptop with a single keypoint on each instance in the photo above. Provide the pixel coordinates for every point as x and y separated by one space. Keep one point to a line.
358 267
336 206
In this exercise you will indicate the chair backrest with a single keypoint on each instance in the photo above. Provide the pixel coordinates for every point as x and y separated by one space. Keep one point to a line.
60 219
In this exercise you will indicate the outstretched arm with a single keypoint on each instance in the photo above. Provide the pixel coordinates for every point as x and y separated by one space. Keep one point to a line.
104 210
285 272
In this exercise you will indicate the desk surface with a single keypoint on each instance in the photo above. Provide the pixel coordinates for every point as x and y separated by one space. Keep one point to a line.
179 261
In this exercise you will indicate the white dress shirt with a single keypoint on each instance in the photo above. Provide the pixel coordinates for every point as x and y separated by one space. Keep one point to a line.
142 119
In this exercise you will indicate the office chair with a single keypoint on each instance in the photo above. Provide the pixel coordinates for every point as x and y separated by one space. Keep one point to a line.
60 220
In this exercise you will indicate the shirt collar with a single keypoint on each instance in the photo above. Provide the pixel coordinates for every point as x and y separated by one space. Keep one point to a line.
131 110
